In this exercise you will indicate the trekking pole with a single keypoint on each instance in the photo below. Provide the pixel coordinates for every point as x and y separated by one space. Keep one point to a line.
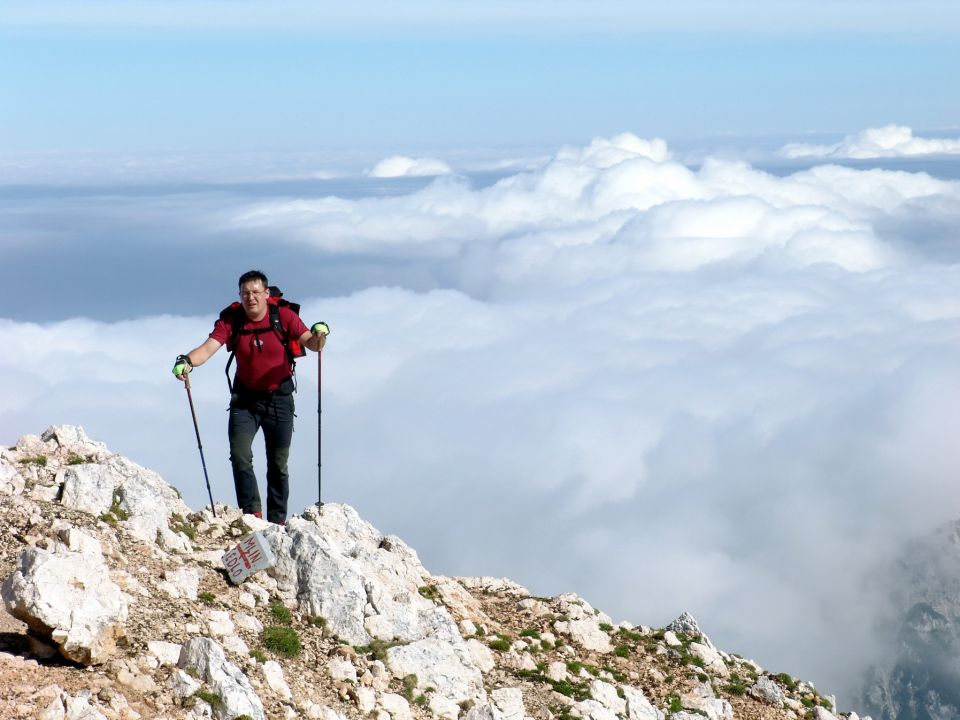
196 429
319 435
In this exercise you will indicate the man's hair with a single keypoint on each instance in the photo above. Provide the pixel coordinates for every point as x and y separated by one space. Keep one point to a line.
252 275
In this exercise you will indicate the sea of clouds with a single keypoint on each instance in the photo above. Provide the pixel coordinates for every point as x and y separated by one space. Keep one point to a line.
664 388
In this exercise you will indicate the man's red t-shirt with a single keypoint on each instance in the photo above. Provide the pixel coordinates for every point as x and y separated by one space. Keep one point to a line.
262 362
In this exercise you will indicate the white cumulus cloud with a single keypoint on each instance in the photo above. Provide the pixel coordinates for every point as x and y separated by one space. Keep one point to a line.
716 389
890 141
403 166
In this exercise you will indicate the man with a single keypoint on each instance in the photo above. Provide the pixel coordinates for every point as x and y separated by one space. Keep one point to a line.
262 389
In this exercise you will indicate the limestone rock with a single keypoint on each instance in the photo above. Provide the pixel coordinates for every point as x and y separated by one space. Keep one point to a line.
11 482
88 488
639 707
606 695
587 634
166 653
273 676
237 696
70 599
440 665
339 567
768 690
509 701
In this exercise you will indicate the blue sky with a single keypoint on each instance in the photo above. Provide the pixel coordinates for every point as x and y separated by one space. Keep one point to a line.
214 76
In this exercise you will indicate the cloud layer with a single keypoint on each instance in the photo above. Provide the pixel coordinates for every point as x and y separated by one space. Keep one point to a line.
403 166
890 141
665 389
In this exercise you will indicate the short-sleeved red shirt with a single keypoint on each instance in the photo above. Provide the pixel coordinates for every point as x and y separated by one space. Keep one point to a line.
261 358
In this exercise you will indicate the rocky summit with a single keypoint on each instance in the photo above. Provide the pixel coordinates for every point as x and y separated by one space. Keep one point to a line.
118 606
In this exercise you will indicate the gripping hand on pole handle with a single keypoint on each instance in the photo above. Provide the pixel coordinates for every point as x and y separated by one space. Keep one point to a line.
320 328
182 366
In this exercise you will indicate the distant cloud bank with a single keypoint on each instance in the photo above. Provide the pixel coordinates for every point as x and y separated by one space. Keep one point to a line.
890 141
714 389
402 166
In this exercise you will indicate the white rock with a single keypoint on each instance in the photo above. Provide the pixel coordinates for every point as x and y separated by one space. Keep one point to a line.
69 598
481 655
236 645
73 440
365 585
381 676
767 690
606 695
443 707
688 625
149 503
248 623
11 483
587 634
167 653
273 676
594 710
671 639
509 701
181 583
639 707
441 665
77 541
396 705
88 488
182 685
219 623
703 699
557 671
224 678
712 659
820 713
341 669
494 585
467 628
247 600
366 700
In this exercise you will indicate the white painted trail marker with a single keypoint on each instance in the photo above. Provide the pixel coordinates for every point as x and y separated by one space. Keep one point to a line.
251 555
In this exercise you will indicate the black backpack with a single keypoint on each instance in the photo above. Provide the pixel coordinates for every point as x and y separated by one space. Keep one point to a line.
236 317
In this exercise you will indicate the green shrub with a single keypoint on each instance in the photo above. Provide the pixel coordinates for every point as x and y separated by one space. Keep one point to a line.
317 621
788 682
622 651
430 592
675 704
206 596
211 698
258 655
282 640
409 684
499 644
530 633
77 460
40 460
574 667
606 627
281 614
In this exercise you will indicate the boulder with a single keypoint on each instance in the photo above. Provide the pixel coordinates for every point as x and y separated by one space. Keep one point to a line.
509 701
445 667
639 707
364 584
70 599
237 696
11 483
768 690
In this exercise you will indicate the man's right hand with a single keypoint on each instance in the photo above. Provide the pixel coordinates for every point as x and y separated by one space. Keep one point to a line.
182 366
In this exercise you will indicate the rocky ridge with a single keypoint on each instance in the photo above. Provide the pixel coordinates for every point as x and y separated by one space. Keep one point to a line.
118 607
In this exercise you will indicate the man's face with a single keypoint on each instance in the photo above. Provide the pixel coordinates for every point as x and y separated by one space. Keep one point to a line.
253 295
